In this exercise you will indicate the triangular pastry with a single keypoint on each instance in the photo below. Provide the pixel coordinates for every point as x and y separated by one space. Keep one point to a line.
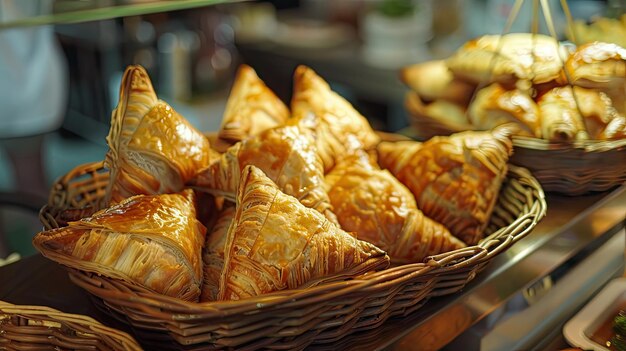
374 204
152 149
495 105
329 115
213 256
152 240
286 154
251 108
506 59
598 112
597 65
276 243
432 80
455 179
449 114
561 120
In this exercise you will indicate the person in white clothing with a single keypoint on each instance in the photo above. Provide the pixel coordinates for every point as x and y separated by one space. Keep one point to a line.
33 99
33 91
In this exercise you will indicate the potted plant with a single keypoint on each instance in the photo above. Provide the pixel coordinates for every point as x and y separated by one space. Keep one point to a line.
395 33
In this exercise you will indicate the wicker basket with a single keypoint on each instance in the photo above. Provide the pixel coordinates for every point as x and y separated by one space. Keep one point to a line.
294 319
573 169
43 328
569 169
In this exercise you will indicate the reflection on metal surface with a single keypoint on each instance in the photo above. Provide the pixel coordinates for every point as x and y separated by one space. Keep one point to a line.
536 291
522 323
436 333
573 229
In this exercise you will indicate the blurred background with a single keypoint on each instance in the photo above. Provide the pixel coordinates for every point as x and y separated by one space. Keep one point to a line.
60 82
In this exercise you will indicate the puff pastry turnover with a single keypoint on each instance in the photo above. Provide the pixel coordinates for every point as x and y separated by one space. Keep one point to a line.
152 149
445 112
153 240
505 59
455 179
495 105
597 111
560 117
213 256
432 80
329 115
287 155
597 65
276 243
251 108
382 211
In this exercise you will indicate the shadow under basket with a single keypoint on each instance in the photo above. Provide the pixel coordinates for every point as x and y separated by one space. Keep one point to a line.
43 328
319 314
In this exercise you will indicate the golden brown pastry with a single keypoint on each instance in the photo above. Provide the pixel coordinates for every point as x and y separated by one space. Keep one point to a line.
152 149
455 179
506 59
152 240
618 97
286 154
449 114
213 256
561 120
432 80
275 243
597 65
615 129
372 203
328 114
251 108
597 110
495 105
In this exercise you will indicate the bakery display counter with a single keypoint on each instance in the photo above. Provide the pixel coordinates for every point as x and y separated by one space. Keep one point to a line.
521 299
509 280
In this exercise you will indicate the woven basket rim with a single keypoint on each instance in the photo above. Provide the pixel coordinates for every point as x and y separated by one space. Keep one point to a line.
447 263
93 326
589 146
530 142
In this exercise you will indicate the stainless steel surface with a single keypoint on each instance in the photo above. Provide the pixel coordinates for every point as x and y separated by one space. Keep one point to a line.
529 317
572 225
573 229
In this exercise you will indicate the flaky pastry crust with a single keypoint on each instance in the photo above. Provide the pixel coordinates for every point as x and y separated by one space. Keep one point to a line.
152 240
152 149
372 203
331 117
494 105
287 155
455 179
251 108
276 243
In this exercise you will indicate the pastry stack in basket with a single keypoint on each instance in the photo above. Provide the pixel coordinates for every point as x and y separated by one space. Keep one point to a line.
294 196
552 91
